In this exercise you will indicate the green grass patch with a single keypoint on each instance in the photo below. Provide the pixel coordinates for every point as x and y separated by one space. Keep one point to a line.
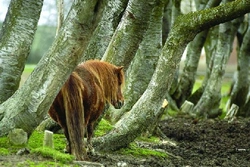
55 154
36 145
4 142
134 150
151 139
6 148
36 140
59 142
4 151
103 127
31 163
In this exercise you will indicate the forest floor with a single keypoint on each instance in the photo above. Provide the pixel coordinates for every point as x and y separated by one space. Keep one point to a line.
197 143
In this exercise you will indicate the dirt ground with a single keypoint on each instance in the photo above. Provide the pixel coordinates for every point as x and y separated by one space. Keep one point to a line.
198 143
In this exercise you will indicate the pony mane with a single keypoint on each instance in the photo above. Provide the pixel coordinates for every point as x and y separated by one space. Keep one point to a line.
107 75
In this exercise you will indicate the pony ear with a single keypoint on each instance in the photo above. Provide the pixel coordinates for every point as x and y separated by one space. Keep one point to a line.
120 68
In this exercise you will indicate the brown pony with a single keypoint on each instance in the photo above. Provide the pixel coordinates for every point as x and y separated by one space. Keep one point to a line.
82 99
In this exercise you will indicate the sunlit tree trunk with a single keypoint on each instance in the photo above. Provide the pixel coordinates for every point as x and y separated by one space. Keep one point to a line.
16 36
147 109
29 105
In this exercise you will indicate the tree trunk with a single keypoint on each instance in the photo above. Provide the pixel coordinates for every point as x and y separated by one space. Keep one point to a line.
129 33
187 78
175 12
29 105
210 100
16 36
143 65
147 109
239 94
112 12
210 49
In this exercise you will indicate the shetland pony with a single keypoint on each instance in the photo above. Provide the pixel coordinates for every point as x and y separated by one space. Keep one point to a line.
82 99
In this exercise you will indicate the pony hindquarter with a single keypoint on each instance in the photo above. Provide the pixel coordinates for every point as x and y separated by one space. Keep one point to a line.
68 111
81 101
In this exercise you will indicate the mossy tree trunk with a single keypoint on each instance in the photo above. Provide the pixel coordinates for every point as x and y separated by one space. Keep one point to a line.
147 109
208 105
29 105
240 91
16 36
194 48
175 10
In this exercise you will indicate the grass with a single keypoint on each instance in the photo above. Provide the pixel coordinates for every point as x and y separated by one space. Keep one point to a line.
54 154
137 151
6 148
103 127
151 139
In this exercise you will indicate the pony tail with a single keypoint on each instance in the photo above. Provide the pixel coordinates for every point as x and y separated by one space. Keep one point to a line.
72 93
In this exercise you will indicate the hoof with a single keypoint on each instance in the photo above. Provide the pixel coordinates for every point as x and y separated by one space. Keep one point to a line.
67 149
90 150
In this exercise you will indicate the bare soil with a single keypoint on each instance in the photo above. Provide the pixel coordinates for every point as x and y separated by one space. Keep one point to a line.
198 143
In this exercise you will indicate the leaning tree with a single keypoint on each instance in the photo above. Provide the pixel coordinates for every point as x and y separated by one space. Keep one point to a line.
28 106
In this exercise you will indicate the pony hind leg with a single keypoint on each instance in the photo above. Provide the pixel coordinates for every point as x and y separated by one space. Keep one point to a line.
90 129
68 147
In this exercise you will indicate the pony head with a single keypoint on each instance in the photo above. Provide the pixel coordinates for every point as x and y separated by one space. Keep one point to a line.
118 100
111 78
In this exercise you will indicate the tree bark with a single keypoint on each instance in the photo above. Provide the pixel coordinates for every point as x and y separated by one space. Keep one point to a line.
175 12
129 33
210 99
112 12
146 109
143 64
29 105
194 48
16 36
210 49
239 94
